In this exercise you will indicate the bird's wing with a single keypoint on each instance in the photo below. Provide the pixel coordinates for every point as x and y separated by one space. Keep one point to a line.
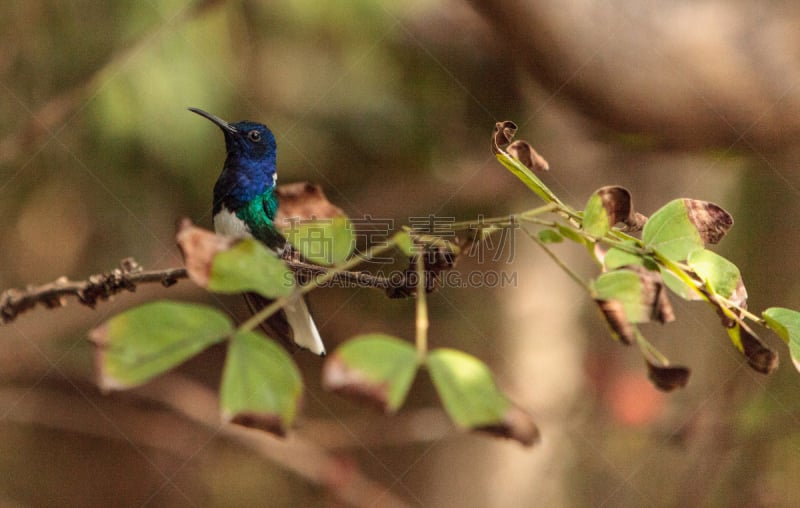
292 325
275 326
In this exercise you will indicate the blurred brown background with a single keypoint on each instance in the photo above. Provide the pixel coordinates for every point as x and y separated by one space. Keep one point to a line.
389 106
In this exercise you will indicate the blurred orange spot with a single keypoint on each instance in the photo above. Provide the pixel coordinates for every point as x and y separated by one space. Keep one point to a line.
633 400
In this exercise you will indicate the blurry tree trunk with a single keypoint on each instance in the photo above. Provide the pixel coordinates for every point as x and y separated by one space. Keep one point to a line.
686 74
544 344
541 368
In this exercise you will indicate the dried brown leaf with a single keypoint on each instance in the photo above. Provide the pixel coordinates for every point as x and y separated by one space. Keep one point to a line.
523 151
711 220
517 425
667 377
303 201
618 204
760 358
654 294
636 221
199 247
614 312
503 134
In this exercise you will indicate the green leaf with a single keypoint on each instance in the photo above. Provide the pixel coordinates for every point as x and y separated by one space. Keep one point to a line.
250 266
786 323
671 232
405 243
570 234
624 286
550 236
617 258
143 342
595 217
472 399
466 388
526 176
323 241
631 295
678 286
718 273
376 368
261 386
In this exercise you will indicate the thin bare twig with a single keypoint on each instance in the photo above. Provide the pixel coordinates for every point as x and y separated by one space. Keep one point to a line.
88 292
346 279
130 274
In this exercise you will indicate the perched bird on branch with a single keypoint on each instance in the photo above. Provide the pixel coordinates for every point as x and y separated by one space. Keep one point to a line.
245 204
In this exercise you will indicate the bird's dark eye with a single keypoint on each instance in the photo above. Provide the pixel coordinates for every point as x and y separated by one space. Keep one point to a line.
254 136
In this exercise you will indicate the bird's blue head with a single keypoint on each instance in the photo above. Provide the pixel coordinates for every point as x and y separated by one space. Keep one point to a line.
250 166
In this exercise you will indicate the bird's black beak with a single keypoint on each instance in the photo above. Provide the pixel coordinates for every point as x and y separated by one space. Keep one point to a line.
222 124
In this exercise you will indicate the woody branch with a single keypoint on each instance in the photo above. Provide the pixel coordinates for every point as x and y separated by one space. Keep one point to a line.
130 275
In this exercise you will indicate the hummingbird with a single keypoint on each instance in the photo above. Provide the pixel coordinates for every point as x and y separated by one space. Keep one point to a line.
245 205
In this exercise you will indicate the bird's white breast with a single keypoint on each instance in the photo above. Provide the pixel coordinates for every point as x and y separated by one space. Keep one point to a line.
228 224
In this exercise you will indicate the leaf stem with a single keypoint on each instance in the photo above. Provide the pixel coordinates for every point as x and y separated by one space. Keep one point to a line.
534 212
573 275
744 312
316 282
505 221
707 293
650 350
679 272
422 310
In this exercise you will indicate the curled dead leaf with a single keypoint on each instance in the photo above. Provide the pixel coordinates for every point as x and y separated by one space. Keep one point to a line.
618 204
614 312
303 201
629 295
654 294
662 307
199 246
760 358
523 151
517 424
503 134
667 377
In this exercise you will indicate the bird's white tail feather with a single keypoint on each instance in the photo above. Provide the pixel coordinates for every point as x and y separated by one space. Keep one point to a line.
305 331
